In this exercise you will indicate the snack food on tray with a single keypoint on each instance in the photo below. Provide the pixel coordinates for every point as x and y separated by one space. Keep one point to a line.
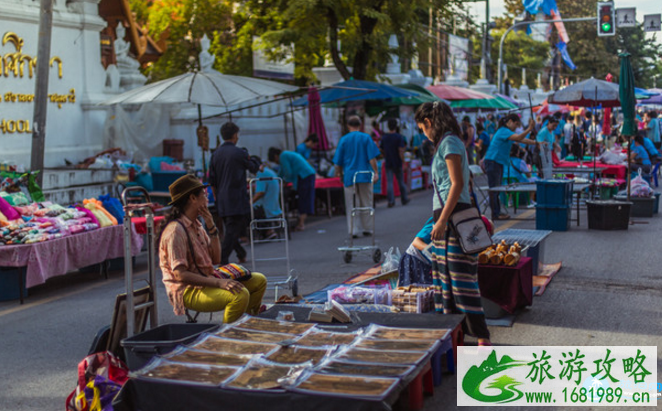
320 338
295 355
264 375
370 370
347 385
396 345
188 355
224 345
381 356
250 335
413 298
393 333
263 324
203 374
501 253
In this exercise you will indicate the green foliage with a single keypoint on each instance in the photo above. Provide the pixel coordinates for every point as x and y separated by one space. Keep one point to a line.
520 50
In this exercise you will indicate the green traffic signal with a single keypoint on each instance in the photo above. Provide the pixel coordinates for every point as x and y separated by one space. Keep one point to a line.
606 27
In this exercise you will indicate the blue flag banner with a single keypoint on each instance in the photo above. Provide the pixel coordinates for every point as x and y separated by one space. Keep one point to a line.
563 49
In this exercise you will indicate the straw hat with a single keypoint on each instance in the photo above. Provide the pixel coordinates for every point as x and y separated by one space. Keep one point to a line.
183 186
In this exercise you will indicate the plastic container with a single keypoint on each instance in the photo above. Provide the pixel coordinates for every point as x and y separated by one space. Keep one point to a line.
656 206
554 193
553 218
141 348
608 215
641 206
9 288
607 192
174 149
161 180
360 295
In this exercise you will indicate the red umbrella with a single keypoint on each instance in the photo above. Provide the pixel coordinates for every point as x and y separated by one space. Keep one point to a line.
315 122
545 108
457 93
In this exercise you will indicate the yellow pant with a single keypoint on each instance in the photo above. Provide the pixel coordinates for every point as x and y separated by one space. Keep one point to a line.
211 299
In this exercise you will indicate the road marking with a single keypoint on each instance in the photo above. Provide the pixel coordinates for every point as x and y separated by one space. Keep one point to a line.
511 223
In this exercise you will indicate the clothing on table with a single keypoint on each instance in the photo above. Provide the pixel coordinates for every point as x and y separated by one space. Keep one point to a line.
484 139
294 167
212 299
494 172
353 154
304 150
391 145
390 192
306 194
449 145
271 199
652 151
364 197
499 150
235 227
654 132
174 253
227 174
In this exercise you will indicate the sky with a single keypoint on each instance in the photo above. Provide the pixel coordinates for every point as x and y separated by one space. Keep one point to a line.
643 7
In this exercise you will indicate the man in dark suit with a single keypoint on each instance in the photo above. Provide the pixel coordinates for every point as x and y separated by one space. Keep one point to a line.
227 177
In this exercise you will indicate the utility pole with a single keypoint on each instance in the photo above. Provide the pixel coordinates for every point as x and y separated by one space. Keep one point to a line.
522 23
41 89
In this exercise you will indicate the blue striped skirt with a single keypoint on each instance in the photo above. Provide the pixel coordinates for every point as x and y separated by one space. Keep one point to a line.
454 279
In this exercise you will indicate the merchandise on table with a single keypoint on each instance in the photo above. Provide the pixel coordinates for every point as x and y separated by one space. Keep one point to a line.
265 375
296 355
194 373
210 342
354 354
262 324
360 295
413 298
347 385
393 333
251 335
368 370
396 345
316 338
501 253
188 355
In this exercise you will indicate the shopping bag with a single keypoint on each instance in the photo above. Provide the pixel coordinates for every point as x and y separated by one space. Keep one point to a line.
100 377
471 231
391 260
640 187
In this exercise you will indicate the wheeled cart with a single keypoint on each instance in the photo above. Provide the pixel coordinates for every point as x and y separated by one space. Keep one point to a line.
289 281
350 249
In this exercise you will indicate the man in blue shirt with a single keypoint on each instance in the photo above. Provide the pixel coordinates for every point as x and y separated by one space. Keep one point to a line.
653 127
639 157
393 146
267 197
296 170
498 156
547 139
356 152
307 146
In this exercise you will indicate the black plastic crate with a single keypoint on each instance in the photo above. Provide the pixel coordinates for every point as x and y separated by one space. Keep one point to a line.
608 215
641 206
142 347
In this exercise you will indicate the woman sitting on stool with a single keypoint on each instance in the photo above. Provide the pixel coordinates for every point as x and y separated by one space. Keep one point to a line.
188 253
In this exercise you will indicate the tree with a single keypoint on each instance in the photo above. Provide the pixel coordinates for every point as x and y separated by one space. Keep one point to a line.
520 51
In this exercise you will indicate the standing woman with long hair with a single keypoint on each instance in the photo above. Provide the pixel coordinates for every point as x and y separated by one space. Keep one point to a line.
454 273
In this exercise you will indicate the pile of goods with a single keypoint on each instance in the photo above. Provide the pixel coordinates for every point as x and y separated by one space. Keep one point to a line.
501 254
413 298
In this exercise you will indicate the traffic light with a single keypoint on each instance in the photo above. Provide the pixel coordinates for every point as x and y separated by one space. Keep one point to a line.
606 19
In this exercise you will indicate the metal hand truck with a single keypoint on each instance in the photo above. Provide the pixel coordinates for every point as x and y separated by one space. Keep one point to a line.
150 304
290 280
371 249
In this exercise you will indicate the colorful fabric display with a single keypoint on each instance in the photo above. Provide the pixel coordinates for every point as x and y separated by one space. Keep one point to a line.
7 210
113 206
103 216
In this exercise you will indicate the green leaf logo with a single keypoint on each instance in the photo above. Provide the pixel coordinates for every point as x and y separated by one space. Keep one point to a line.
506 385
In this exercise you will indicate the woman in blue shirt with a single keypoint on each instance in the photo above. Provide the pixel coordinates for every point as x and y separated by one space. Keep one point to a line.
498 156
296 170
639 156
454 279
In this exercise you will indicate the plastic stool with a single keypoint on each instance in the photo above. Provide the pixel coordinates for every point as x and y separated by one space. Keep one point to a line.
423 382
445 348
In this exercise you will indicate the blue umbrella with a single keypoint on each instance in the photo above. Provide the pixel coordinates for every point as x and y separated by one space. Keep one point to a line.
357 90
655 97
641 93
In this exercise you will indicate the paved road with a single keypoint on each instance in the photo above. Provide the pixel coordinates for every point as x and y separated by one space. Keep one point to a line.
609 292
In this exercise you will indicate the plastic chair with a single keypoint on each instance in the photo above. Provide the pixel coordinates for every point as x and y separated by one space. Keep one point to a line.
655 173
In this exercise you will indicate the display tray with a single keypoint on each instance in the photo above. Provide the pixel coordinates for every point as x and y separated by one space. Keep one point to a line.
190 373
296 355
266 325
255 336
381 356
347 385
392 333
224 345
263 376
188 355
368 370
397 345
322 338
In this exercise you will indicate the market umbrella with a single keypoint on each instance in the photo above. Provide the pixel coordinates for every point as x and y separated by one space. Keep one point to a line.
545 108
510 99
357 90
587 93
374 107
451 93
626 93
315 121
655 99
495 103
642 93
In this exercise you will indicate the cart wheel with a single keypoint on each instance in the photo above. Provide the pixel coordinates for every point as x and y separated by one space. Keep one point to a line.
377 256
347 257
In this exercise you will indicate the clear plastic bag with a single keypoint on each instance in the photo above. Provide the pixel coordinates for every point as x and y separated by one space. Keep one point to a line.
391 260
640 187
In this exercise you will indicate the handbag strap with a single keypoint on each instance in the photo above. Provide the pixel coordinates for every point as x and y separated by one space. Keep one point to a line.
190 247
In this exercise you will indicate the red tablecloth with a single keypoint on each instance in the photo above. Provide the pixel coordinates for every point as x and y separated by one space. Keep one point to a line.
509 287
333 182
608 170
63 255
141 223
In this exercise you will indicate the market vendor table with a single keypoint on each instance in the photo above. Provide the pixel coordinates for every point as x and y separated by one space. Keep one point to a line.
532 188
578 170
618 171
509 287
62 255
